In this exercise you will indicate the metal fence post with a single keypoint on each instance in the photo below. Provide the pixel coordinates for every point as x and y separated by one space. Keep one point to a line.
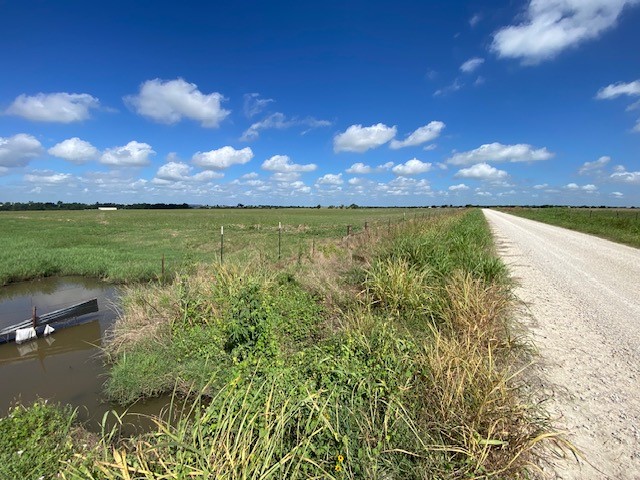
221 243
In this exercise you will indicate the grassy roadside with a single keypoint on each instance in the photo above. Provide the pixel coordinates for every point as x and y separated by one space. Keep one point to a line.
388 356
128 245
618 225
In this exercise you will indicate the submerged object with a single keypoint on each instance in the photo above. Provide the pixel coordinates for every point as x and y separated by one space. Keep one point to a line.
43 325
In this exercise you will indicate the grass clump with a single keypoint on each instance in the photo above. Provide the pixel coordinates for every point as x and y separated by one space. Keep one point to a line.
219 321
298 377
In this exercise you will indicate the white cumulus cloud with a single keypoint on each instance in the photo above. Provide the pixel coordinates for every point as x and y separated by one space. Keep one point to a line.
75 150
18 150
58 107
411 167
359 169
551 26
222 158
330 179
360 139
471 65
174 171
424 134
181 172
282 163
482 171
589 188
458 188
172 100
133 154
497 152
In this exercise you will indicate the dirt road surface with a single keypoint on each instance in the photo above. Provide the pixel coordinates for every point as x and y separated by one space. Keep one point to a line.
581 298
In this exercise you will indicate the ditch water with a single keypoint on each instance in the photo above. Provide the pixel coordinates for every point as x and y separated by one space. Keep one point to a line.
65 367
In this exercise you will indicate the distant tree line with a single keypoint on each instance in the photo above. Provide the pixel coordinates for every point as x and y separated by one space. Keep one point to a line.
22 206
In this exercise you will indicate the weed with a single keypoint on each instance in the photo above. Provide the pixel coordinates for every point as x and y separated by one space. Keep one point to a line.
34 440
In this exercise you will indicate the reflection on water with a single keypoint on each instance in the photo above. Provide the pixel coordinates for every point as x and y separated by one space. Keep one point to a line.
65 367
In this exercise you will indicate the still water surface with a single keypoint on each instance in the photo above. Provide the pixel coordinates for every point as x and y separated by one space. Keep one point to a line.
65 367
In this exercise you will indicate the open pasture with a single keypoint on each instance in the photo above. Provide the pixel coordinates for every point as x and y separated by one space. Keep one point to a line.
128 245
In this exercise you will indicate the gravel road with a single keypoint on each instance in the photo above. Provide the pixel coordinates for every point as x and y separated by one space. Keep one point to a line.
581 298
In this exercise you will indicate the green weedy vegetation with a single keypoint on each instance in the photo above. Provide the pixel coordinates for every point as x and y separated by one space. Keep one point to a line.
385 356
619 225
34 440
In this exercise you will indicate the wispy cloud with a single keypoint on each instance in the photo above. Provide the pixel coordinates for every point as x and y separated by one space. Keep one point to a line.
471 65
279 121
254 104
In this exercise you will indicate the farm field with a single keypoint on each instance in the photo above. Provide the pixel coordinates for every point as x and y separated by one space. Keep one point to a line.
390 355
128 245
618 225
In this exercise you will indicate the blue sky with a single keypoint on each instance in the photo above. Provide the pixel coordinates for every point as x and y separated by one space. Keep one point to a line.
306 103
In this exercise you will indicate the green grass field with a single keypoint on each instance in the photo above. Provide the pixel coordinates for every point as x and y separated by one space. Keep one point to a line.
618 225
128 245
390 355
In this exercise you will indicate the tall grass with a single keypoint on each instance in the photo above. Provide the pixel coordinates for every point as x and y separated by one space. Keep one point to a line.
392 362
